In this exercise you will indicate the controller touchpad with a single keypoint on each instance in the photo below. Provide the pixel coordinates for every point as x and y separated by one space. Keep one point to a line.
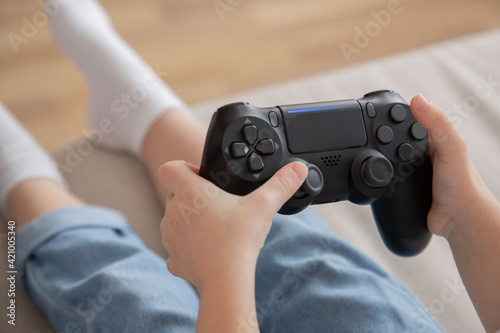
324 126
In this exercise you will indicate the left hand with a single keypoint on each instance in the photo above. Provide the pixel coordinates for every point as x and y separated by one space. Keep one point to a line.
207 231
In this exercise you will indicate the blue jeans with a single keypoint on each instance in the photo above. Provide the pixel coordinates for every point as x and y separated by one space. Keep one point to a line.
89 272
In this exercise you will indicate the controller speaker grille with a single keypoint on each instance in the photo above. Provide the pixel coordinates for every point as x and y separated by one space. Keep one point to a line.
331 160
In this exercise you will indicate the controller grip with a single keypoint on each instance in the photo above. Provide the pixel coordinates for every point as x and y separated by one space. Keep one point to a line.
401 215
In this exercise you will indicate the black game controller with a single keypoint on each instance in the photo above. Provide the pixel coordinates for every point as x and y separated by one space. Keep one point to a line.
367 151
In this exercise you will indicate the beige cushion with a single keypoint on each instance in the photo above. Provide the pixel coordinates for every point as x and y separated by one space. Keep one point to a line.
448 73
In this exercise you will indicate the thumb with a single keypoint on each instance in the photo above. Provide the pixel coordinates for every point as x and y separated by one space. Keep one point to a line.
446 139
279 188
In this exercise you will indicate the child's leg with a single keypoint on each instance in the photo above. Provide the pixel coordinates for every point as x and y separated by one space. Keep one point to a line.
22 159
309 280
83 266
133 108
176 135
88 271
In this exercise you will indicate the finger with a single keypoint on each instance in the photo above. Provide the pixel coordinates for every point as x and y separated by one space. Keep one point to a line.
279 188
446 140
174 174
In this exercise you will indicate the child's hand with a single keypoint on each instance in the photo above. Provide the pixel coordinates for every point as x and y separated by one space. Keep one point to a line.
458 192
208 231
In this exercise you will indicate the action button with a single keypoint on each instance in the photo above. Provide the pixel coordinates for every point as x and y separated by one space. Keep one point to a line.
265 147
249 134
385 134
418 131
398 113
370 110
255 163
273 119
405 152
238 149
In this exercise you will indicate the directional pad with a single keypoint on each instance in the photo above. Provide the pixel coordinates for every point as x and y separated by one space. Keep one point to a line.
253 148
249 133
255 163
238 149
265 147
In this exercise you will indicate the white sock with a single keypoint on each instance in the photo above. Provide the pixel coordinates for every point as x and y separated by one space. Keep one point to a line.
21 157
126 94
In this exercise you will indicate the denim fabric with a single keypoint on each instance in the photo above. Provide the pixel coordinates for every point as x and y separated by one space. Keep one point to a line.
309 280
89 272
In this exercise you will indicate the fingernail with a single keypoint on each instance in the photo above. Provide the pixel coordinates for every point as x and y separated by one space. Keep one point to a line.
420 103
300 171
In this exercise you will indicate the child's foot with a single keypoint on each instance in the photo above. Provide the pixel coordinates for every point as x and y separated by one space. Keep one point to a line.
126 94
21 157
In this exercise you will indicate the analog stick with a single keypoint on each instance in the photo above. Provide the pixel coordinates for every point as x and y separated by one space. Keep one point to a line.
313 184
376 172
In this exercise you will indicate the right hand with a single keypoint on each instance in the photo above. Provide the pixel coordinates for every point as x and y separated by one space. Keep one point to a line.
210 233
458 192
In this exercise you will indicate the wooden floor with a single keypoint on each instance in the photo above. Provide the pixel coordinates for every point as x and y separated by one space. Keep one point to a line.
258 42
